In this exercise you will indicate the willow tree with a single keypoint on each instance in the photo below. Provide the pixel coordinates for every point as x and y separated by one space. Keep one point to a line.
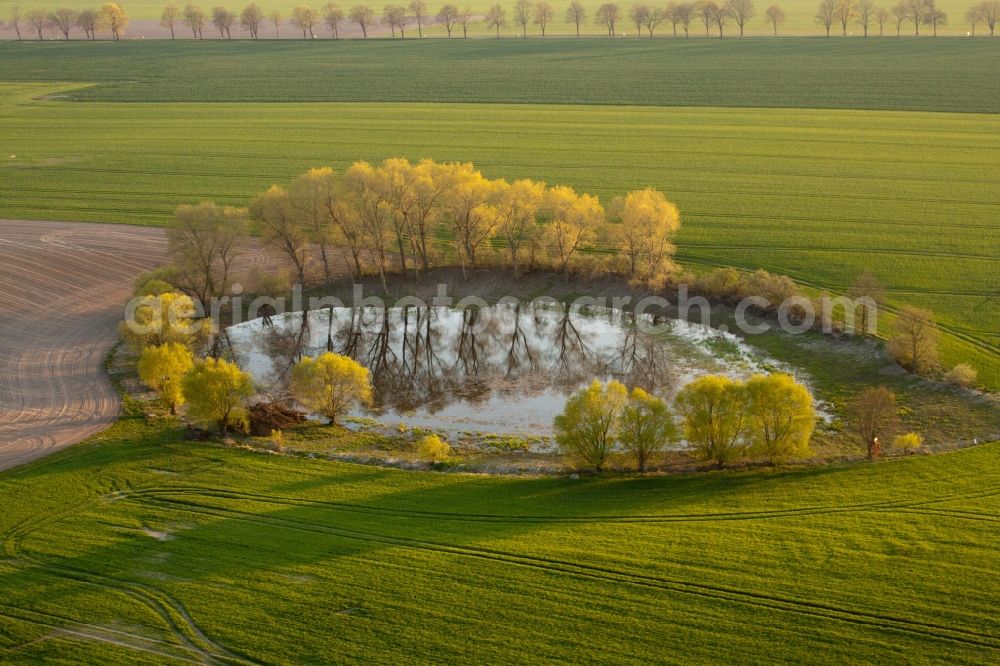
465 202
216 392
646 427
714 412
330 384
203 241
164 318
373 211
782 417
647 223
282 227
514 208
587 427
162 368
573 221
310 196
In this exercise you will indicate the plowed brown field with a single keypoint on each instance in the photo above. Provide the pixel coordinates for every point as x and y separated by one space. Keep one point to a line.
63 287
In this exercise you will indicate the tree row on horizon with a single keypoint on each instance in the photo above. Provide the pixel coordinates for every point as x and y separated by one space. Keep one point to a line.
645 18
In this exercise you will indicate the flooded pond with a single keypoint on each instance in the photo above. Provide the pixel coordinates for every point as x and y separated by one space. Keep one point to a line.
504 369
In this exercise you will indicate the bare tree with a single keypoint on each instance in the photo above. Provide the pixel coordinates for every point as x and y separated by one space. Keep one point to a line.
448 16
395 17
170 17
63 20
638 13
251 18
496 17
741 11
607 15
465 20
844 11
900 13
863 14
974 15
991 12
203 242
276 18
194 17
721 16
684 12
874 416
706 12
419 10
543 15
305 19
523 10
576 14
223 20
87 20
363 15
882 16
826 13
332 16
934 16
39 20
15 20
914 340
867 291
916 11
774 16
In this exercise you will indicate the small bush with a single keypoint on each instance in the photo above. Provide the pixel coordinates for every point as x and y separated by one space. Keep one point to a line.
963 375
908 443
433 449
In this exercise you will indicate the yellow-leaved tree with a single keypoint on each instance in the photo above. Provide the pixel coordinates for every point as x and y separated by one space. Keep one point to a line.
465 205
782 417
646 226
514 210
162 368
714 410
114 18
646 427
573 222
216 392
588 425
159 319
330 384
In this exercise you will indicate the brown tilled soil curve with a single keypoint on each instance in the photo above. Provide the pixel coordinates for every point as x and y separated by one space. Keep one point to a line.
63 286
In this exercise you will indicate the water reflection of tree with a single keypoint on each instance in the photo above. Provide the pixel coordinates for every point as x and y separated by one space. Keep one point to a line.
644 361
285 344
432 357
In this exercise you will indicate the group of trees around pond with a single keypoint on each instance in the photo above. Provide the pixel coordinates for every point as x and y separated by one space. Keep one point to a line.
767 417
611 17
408 218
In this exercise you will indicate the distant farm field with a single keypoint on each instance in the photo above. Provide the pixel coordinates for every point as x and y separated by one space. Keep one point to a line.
912 75
800 19
819 195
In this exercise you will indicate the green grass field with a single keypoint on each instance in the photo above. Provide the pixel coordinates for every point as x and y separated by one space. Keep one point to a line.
911 75
819 195
139 548
801 19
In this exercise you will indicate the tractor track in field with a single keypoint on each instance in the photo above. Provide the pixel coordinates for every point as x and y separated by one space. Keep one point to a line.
188 637
925 505
66 627
604 574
